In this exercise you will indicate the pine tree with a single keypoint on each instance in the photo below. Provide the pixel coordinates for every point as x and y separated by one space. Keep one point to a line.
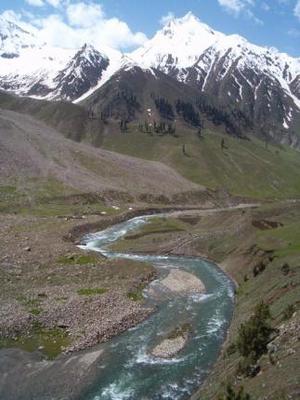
253 335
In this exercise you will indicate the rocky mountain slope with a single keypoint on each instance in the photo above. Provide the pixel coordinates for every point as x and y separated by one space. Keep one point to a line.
257 86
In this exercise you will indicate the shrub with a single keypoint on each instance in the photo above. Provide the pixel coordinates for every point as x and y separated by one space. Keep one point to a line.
230 394
285 269
231 349
254 335
288 312
258 269
247 367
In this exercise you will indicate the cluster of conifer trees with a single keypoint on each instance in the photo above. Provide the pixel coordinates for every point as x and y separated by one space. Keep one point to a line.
188 113
164 108
234 121
160 128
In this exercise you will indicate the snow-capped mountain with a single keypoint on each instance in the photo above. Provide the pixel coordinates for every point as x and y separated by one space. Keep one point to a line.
261 83
31 68
81 73
52 73
178 45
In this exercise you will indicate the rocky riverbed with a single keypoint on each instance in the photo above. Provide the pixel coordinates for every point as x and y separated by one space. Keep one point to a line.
57 298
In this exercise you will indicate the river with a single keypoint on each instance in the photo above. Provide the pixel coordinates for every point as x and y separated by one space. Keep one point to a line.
127 370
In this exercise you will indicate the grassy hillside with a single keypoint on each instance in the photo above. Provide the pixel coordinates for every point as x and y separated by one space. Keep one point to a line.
70 119
278 285
244 167
43 172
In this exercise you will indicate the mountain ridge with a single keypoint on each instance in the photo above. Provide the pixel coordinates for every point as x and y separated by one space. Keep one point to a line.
260 83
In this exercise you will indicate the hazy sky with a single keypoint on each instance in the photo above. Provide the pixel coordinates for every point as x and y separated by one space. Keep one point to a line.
126 24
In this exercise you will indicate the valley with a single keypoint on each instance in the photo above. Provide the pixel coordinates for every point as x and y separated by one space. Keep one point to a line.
149 216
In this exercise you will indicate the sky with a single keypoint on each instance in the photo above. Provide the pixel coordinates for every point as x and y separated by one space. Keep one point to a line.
126 24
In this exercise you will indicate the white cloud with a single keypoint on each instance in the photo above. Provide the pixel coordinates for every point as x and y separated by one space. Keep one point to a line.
35 3
54 3
250 14
16 18
235 6
84 15
297 9
167 18
266 6
86 22
41 3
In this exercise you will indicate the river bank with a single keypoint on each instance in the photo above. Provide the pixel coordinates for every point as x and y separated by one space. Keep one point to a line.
54 293
232 239
40 368
55 297
259 249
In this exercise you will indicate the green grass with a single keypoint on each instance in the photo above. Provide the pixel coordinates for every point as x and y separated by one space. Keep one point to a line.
81 259
35 311
279 288
50 341
31 195
158 225
245 168
91 291
70 119
285 240
32 304
47 197
136 294
153 227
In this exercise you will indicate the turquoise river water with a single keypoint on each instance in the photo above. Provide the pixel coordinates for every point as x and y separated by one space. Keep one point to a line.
127 369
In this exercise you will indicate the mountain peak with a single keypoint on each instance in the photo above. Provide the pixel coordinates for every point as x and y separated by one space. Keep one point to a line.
179 42
187 18
88 50
15 36
189 23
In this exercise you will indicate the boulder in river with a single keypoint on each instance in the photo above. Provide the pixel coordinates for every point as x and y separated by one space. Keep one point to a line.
173 343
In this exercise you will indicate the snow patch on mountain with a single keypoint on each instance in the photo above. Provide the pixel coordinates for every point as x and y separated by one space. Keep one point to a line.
185 48
14 37
178 45
187 43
